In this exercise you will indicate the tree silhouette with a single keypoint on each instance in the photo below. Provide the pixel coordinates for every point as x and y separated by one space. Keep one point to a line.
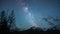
11 21
7 23
49 20
54 21
3 23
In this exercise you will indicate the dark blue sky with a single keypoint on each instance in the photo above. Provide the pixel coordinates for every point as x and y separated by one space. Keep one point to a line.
38 8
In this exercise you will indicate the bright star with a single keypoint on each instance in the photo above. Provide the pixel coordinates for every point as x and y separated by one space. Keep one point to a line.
25 9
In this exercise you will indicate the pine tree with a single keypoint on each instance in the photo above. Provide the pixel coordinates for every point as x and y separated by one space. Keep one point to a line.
11 20
3 22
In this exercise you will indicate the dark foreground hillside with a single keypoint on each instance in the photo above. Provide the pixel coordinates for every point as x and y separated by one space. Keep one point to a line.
31 31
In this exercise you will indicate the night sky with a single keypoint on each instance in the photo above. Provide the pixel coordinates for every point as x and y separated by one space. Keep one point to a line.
29 13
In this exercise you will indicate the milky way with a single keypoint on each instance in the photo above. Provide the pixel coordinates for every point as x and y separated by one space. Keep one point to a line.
25 8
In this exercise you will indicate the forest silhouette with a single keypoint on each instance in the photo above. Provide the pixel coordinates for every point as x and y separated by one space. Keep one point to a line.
8 26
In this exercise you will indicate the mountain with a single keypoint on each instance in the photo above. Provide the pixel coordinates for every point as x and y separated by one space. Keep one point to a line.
33 28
